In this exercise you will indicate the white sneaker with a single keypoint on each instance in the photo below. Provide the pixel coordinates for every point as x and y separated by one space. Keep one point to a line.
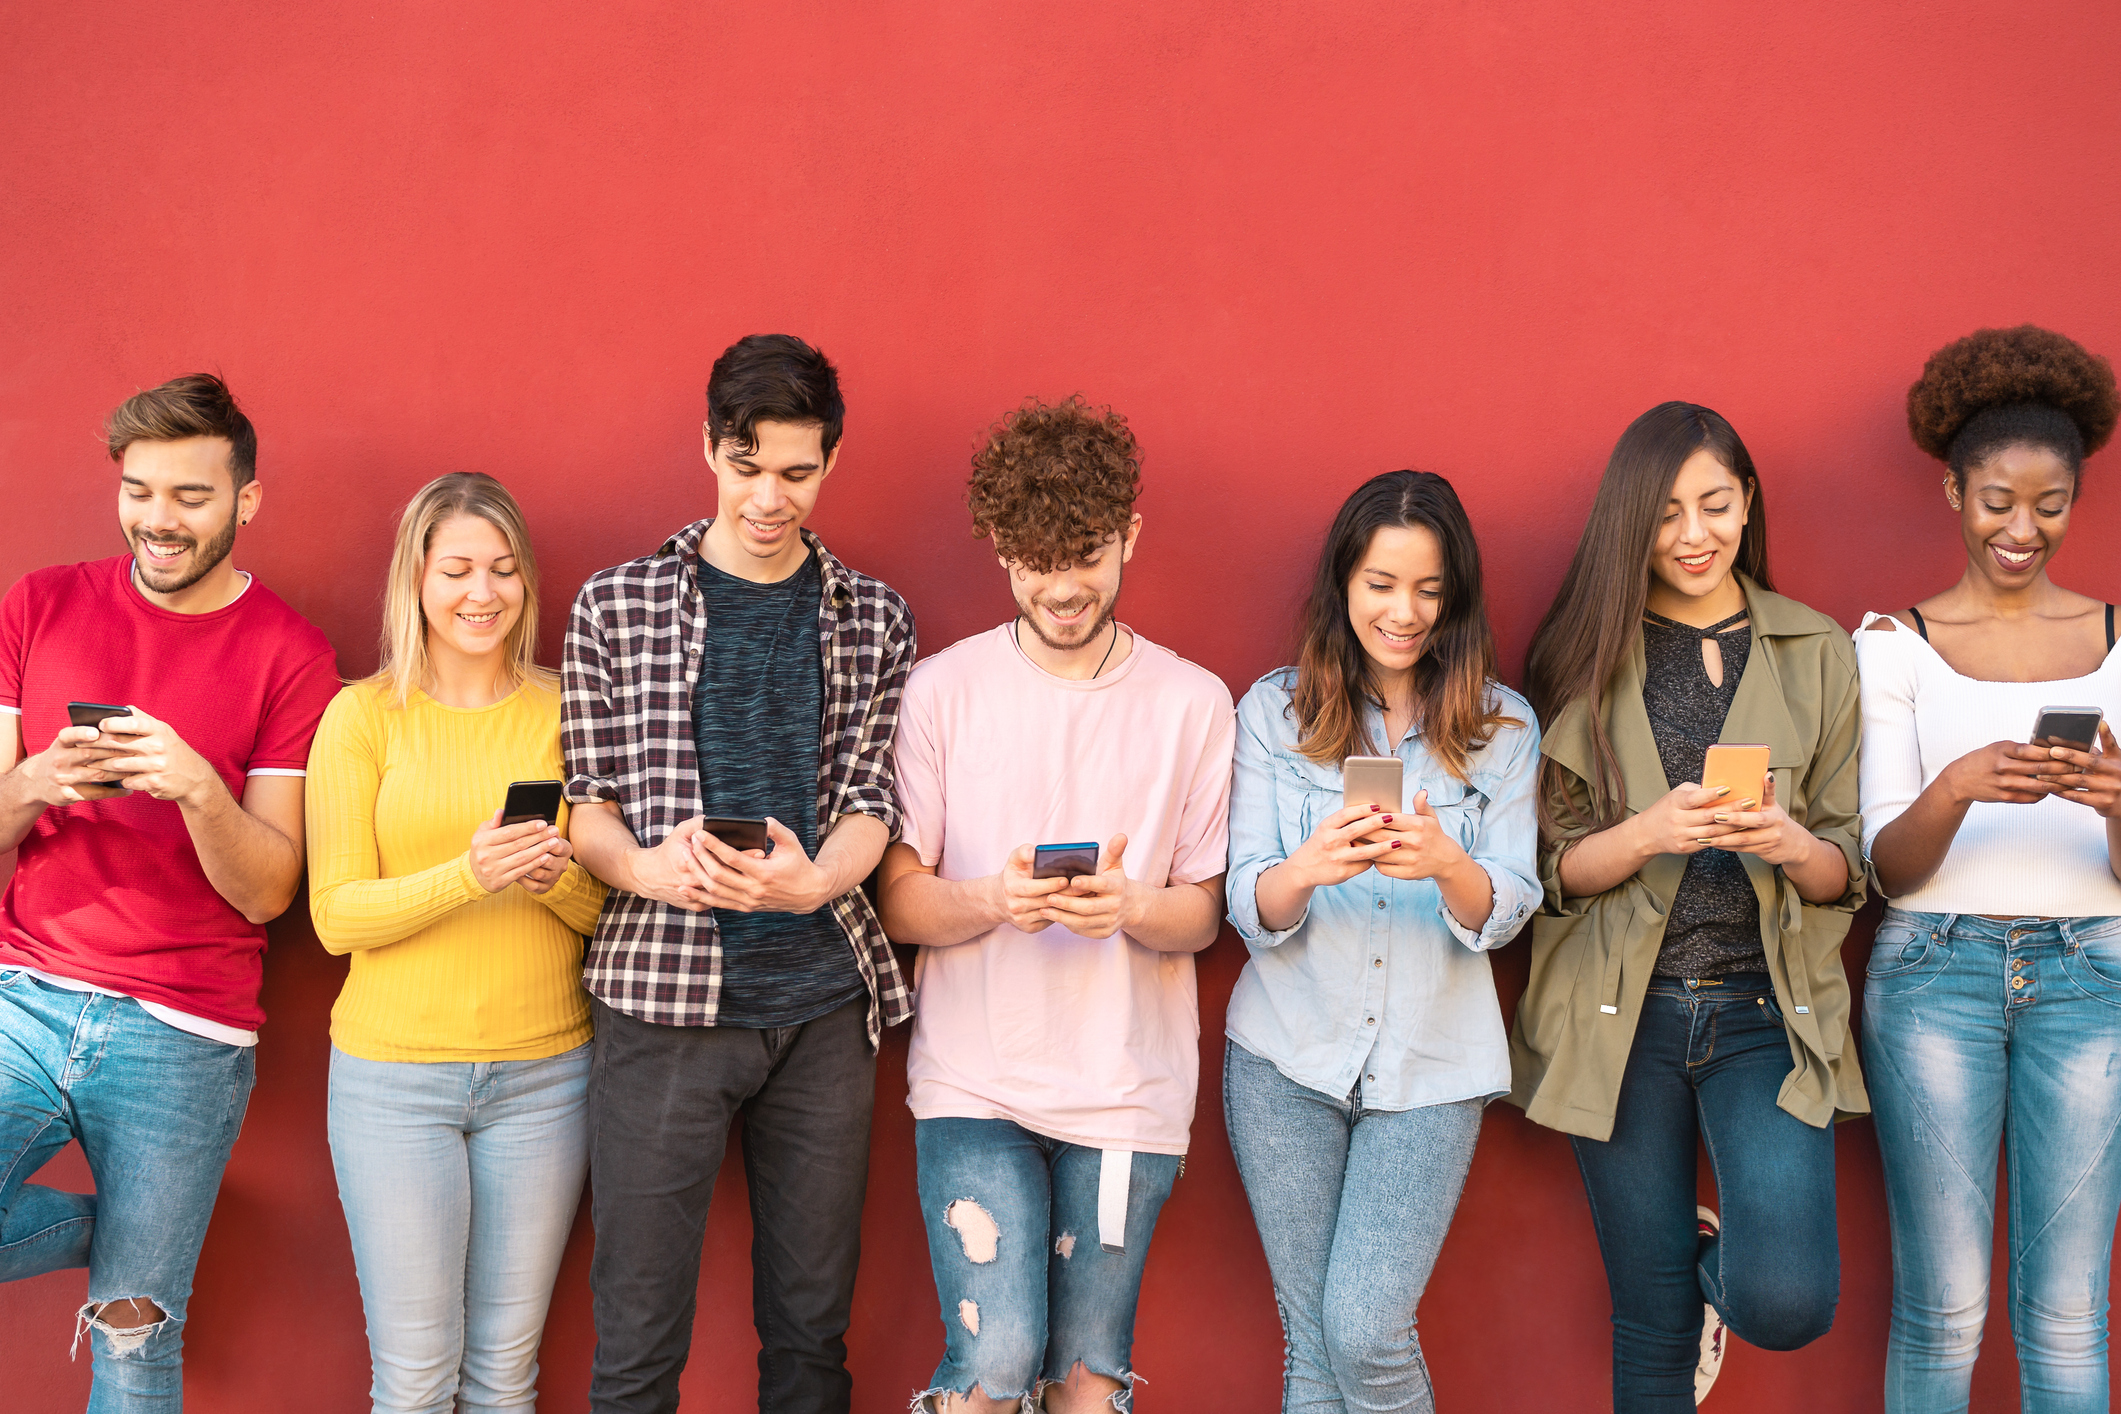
1714 1334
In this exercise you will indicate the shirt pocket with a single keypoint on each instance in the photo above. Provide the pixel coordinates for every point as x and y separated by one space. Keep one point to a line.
1457 804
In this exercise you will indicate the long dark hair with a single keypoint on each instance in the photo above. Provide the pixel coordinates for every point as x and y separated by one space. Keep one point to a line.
1334 680
1597 615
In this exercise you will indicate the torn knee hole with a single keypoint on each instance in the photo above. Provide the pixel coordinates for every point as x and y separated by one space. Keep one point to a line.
975 1229
1064 1246
125 1323
132 1313
968 1316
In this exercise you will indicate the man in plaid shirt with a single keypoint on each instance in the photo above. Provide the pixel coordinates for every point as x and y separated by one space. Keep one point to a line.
740 673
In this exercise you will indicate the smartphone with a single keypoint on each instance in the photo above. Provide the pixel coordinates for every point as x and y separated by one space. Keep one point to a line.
93 714
739 834
531 800
1742 768
2074 727
1374 780
1064 861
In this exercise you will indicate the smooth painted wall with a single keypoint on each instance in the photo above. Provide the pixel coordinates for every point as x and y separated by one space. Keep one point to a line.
1295 244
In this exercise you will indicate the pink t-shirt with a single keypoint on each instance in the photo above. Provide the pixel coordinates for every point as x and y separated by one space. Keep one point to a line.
111 892
1091 1041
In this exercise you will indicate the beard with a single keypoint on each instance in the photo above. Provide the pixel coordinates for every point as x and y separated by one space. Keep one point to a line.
1090 635
202 562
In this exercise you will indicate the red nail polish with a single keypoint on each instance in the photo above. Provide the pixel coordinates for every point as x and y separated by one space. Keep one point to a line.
1388 820
1395 844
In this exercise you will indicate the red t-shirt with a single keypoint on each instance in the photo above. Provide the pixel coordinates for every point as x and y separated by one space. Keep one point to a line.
111 892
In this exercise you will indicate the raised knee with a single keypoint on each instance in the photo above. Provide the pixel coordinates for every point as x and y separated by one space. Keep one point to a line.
1783 1320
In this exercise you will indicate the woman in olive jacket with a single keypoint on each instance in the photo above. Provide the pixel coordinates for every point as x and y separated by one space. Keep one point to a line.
1686 970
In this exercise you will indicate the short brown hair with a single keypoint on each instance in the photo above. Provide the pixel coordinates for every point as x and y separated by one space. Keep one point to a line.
196 405
1052 483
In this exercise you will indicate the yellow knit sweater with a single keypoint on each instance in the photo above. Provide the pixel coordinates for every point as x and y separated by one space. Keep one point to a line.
442 970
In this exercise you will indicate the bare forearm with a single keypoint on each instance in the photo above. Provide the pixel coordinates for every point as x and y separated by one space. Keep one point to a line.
1281 895
249 862
1910 849
850 853
1469 893
19 809
1602 861
922 910
1821 876
1179 917
602 843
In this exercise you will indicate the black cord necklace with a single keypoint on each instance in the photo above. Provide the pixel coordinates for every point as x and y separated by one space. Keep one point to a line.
1016 632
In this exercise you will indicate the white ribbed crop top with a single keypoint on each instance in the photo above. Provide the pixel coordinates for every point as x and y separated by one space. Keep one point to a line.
2045 860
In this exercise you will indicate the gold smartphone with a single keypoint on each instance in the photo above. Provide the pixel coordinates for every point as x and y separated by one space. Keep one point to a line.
1742 768
1373 780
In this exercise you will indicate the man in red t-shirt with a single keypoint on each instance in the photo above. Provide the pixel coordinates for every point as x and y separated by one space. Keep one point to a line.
155 842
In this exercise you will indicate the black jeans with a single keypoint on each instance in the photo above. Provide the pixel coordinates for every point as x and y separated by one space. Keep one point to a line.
661 1100
1708 1060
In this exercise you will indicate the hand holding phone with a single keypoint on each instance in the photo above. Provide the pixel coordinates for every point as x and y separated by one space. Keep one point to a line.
528 851
2081 776
1094 905
531 800
1019 896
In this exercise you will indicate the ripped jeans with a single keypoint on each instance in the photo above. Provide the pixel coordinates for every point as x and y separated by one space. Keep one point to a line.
156 1110
1028 1289
1982 1034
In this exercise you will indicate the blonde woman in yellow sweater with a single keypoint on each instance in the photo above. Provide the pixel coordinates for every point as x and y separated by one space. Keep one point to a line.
460 1056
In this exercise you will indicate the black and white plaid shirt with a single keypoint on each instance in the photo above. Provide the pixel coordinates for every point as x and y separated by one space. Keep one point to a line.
634 642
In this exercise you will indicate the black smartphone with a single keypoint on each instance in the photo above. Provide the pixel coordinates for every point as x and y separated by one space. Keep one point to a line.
2074 727
739 834
531 800
1064 861
93 714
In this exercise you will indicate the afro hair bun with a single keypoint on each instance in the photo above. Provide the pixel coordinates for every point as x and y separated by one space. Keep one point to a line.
2004 367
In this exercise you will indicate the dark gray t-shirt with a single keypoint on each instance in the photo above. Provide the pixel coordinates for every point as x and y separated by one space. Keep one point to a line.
1714 926
758 711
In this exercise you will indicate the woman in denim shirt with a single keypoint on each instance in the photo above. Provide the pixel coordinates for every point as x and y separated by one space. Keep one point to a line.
1364 1034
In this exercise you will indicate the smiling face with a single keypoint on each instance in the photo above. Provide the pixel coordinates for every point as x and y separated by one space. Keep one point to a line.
1069 607
763 496
179 508
2013 513
1704 521
1395 595
470 593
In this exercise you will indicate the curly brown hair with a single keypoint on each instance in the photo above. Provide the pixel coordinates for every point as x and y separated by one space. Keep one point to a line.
1999 387
1053 482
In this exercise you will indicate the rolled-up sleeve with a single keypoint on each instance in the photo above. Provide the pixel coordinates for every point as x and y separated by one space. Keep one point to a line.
868 764
589 735
1257 800
1506 842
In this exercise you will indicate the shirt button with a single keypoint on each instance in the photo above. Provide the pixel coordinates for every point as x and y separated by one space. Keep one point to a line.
1377 962
1371 1022
1380 903
1371 1078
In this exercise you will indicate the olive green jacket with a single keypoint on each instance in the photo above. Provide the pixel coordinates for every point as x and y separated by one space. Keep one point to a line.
1592 957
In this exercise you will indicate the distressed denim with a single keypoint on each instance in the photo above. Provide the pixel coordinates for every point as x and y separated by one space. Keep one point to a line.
156 1111
1707 1063
1028 1290
1352 1205
1980 1033
460 1181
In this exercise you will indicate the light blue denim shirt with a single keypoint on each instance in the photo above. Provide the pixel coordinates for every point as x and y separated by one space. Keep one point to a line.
1377 984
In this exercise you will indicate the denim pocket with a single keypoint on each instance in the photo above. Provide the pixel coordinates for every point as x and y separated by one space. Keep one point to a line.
1904 958
2094 964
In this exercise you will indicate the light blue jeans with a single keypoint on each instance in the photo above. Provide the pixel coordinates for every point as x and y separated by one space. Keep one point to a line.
156 1110
460 1181
1028 1290
1979 1033
1352 1206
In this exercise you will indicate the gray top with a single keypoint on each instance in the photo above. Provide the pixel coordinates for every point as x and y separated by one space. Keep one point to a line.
1714 926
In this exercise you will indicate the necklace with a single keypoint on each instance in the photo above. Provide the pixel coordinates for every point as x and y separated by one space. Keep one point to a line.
1016 632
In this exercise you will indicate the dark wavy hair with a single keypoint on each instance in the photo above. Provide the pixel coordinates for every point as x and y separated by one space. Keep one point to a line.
1051 483
1596 617
773 378
2022 387
1334 680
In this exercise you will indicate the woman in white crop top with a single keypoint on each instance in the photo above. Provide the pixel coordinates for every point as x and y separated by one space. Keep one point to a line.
1992 1003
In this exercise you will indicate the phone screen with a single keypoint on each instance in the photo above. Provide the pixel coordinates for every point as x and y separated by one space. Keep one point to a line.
2076 727
1064 861
93 714
531 800
737 833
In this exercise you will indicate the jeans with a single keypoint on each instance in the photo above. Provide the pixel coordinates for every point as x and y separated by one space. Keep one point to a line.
661 1101
1352 1206
1708 1060
460 1181
156 1110
1980 1033
1028 1288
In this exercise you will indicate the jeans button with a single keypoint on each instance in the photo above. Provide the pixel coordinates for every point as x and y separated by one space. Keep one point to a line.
2017 982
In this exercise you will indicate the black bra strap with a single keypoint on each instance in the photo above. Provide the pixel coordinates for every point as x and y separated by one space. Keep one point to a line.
2109 628
1924 629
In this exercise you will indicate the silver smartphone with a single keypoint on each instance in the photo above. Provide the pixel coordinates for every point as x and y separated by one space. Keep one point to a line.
1373 780
2074 727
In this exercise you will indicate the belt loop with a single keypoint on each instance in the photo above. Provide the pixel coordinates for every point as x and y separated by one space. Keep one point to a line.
1944 929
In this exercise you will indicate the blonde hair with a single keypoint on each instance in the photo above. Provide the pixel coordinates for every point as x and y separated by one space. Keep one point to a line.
404 663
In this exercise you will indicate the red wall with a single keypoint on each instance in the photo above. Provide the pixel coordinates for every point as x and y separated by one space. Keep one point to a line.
1296 245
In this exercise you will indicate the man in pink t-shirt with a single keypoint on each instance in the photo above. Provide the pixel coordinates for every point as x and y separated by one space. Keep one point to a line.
155 716
1056 1035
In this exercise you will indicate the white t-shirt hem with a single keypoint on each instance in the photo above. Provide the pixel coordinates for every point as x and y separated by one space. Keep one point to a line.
167 1015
